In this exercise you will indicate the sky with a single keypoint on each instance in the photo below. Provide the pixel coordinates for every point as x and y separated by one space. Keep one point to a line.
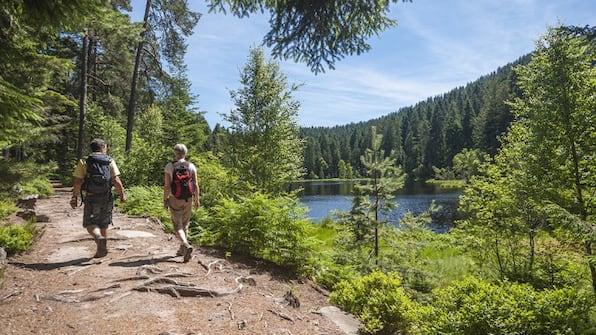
435 47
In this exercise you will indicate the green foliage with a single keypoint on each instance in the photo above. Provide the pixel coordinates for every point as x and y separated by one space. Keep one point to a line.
323 268
455 184
467 163
215 181
372 199
147 201
19 113
380 303
430 133
16 238
425 260
539 181
7 207
263 227
472 307
144 164
316 33
265 148
22 178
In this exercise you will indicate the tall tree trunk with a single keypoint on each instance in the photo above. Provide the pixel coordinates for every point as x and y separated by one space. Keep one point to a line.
92 52
83 96
135 80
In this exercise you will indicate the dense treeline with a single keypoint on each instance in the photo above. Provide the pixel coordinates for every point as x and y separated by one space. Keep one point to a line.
427 134
99 75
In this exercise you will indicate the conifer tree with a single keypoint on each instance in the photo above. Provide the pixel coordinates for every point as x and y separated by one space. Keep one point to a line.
265 147
384 179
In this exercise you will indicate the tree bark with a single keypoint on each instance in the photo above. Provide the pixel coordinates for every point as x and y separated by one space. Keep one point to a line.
83 96
135 80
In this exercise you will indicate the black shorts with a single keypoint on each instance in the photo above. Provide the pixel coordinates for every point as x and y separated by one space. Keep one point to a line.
98 210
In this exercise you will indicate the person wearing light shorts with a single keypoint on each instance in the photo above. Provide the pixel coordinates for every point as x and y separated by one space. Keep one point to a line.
181 208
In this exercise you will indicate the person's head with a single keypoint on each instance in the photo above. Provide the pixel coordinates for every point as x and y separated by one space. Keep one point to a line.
180 151
98 145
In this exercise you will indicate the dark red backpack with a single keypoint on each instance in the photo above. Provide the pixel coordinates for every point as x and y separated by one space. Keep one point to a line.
182 184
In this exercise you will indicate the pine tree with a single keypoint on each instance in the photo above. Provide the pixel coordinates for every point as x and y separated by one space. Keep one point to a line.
384 179
265 147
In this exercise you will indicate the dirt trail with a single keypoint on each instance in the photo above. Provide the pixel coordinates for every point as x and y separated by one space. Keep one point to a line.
141 287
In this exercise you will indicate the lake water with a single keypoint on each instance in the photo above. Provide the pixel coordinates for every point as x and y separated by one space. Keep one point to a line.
324 197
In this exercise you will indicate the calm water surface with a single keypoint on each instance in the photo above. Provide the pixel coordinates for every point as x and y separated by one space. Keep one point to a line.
324 197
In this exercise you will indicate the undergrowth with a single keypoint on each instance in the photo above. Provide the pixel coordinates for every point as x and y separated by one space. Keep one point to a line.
147 201
16 238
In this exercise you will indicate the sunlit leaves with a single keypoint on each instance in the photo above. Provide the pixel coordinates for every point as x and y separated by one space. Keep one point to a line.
265 150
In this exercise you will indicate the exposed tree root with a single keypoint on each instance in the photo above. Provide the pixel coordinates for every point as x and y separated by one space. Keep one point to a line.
92 296
218 263
178 289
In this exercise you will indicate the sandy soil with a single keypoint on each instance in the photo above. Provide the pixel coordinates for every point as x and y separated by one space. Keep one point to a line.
141 287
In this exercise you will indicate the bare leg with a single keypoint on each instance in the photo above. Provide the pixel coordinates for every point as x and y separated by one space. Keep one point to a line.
94 231
100 239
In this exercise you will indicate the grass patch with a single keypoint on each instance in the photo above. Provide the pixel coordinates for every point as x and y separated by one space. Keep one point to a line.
7 208
325 234
16 238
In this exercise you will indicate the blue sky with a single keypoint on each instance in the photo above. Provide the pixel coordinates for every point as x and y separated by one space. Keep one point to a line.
436 46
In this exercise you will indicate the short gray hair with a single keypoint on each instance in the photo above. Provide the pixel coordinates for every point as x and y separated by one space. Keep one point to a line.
180 149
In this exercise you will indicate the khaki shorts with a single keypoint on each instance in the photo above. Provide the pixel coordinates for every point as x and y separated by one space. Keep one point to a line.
180 210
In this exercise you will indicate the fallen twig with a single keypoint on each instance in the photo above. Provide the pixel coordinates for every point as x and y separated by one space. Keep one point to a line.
230 310
8 295
282 315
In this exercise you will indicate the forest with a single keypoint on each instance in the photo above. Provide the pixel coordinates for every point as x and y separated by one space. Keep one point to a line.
426 135
521 139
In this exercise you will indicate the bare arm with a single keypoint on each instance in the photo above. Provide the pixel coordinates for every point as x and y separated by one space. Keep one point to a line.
197 202
118 183
76 190
167 181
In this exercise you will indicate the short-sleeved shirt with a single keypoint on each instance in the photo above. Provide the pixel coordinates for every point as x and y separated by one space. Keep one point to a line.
81 169
191 167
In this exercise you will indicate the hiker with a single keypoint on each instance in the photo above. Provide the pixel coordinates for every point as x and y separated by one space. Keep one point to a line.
180 192
94 178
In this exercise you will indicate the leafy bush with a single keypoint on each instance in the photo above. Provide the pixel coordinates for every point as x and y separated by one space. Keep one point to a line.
16 238
19 179
380 303
7 208
147 201
39 186
472 306
257 225
327 273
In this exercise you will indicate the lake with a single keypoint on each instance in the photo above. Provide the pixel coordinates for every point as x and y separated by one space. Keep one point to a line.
324 197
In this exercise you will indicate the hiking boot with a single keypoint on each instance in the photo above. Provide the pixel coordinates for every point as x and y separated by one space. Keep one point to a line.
187 252
180 251
102 247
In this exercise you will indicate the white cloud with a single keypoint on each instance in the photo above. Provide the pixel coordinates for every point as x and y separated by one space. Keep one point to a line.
437 46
